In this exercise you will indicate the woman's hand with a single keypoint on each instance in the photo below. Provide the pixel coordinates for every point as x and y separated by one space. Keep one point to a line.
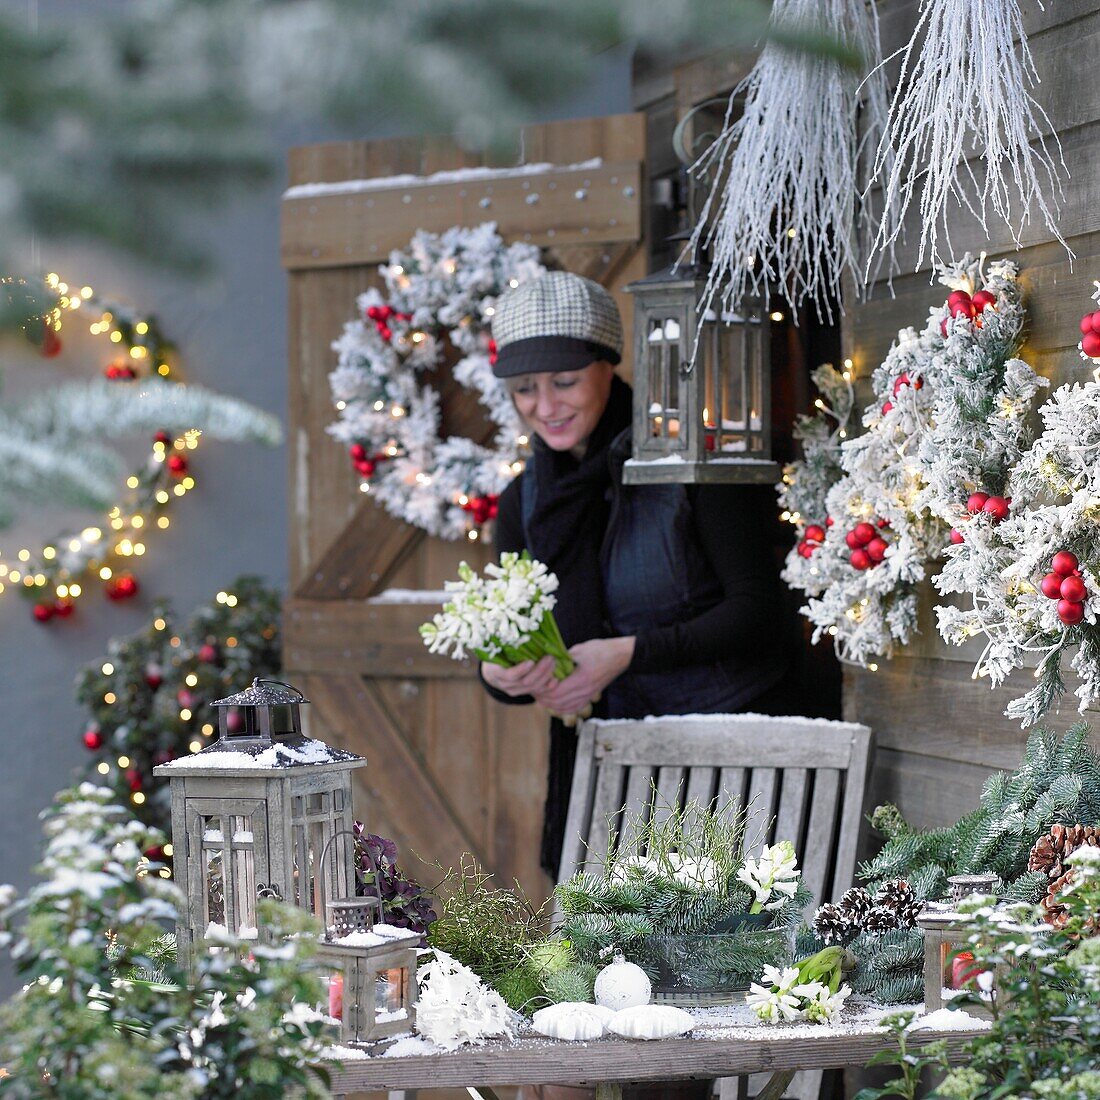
526 678
598 663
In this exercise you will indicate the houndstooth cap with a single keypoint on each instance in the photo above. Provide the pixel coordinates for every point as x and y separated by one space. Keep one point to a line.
557 322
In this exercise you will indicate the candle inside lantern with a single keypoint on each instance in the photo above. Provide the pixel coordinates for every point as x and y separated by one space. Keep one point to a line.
336 996
963 969
710 430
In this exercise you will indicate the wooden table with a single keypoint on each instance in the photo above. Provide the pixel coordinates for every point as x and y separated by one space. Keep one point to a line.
725 1043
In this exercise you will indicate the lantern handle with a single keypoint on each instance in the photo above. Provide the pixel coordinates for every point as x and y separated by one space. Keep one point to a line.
281 683
376 865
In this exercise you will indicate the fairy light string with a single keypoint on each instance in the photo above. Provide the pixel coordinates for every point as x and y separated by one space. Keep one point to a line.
76 560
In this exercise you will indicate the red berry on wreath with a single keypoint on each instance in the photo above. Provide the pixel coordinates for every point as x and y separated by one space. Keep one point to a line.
983 300
996 508
1064 563
876 549
1073 589
208 653
1070 613
1090 345
93 739
815 533
177 464
860 559
957 537
64 608
1051 586
43 612
976 502
864 532
887 406
133 779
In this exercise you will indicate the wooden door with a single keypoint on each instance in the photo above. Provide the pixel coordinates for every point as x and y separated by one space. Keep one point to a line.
449 771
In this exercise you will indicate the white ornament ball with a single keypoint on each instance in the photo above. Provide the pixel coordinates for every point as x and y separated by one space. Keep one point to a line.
622 985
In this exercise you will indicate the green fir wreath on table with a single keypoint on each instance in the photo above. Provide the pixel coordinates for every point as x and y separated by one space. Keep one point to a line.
440 291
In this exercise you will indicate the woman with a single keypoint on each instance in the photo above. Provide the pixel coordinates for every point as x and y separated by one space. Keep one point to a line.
668 597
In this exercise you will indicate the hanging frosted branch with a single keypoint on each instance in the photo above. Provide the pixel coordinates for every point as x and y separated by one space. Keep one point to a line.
962 99
785 209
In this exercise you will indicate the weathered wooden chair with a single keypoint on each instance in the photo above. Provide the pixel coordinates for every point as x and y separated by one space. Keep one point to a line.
801 779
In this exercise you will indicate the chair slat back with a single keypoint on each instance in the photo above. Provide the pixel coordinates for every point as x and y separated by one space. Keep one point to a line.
796 779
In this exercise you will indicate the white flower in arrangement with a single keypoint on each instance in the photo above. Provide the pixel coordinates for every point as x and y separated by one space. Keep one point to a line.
820 1004
455 1006
773 877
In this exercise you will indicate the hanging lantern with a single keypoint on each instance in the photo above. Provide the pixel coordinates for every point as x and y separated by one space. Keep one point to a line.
369 968
702 386
252 813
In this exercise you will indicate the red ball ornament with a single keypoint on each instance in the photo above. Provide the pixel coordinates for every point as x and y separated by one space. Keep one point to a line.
1070 613
996 508
1073 589
155 853
805 549
374 313
208 653
177 464
1086 324
234 721
64 608
876 549
829 521
133 779
1090 344
852 540
860 559
43 612
385 332
957 537
983 300
1095 319
943 327
1064 563
358 452
122 586
976 502
385 312
864 532
883 524
815 533
93 739
162 437
961 308
901 380
1051 586
365 466
958 296
887 406
51 341
185 698
154 677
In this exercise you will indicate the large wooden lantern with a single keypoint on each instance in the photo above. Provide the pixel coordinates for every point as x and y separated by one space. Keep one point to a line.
702 386
252 813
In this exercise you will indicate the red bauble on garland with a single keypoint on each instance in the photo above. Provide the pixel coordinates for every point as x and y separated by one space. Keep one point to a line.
1064 563
177 464
133 779
163 438
122 586
1090 345
1065 585
119 372
43 612
976 502
1070 613
957 537
64 608
814 533
996 508
860 560
51 341
93 739
1051 586
1073 589
208 653
154 676
867 545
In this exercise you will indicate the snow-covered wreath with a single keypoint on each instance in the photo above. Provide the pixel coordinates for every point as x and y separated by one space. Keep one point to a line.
439 291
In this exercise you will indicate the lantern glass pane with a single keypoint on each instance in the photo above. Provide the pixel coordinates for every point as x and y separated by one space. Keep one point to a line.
244 875
390 991
214 879
657 378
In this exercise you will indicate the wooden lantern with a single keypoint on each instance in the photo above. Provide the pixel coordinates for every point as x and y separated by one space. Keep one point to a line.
702 386
252 813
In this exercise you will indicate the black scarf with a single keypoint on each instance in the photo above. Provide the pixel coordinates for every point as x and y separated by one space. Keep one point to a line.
567 526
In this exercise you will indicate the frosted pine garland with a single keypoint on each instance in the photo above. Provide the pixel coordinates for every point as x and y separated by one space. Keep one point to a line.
964 129
1056 501
441 290
807 481
949 418
787 212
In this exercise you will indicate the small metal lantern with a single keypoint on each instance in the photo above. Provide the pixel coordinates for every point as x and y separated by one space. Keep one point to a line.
252 813
371 969
702 386
962 886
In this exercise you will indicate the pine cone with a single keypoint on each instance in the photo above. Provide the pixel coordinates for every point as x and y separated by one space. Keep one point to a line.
880 919
833 925
856 904
1051 849
896 895
1055 912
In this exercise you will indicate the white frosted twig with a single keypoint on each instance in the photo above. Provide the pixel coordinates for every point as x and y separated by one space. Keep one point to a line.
785 208
965 99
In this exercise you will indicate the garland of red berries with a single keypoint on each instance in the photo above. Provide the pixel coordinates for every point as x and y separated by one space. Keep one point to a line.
1064 584
961 304
867 545
996 507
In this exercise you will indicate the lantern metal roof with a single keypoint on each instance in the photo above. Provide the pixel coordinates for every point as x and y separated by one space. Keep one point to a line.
263 693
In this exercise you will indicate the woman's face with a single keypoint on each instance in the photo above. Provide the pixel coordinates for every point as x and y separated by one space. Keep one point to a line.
563 409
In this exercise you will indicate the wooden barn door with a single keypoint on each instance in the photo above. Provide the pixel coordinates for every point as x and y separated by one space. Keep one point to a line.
449 770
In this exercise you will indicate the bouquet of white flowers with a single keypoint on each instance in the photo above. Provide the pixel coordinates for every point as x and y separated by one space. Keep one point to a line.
505 617
810 990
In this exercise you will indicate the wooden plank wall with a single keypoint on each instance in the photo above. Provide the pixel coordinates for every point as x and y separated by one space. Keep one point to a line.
940 733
